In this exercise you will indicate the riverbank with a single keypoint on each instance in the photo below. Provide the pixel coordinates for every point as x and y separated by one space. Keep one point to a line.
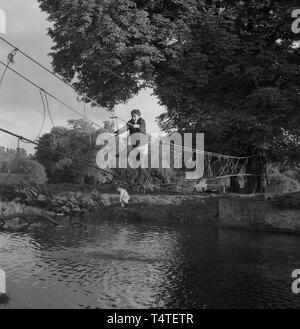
92 203
280 213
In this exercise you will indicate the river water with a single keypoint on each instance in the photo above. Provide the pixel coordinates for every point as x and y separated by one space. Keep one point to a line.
141 265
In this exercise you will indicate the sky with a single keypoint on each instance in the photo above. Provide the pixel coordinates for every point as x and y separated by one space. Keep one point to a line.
20 103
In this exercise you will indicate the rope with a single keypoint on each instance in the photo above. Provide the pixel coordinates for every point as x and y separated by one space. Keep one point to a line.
48 109
237 175
44 117
88 128
206 152
43 120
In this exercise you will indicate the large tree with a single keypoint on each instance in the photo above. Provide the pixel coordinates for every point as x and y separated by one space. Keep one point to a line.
227 68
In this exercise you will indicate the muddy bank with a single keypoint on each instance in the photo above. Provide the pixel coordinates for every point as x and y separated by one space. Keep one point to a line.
167 209
71 202
88 207
279 214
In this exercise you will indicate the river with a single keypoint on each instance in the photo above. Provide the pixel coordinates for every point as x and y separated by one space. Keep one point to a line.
115 264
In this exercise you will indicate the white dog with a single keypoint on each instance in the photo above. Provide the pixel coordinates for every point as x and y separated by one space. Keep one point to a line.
124 196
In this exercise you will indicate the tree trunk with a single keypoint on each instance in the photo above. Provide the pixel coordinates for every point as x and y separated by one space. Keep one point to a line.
258 168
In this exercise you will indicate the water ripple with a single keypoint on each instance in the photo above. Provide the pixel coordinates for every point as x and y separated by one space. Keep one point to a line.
121 265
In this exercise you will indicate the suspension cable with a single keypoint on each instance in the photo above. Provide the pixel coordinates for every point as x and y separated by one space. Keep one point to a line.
49 94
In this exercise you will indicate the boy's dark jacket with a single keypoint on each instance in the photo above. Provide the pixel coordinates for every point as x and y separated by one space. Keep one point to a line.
129 126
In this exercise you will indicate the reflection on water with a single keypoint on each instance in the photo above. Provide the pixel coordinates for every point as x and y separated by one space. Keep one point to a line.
122 265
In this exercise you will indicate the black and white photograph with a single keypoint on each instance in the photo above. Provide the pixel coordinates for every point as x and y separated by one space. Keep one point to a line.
149 157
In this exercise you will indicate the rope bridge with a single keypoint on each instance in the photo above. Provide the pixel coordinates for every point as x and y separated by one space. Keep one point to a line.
215 165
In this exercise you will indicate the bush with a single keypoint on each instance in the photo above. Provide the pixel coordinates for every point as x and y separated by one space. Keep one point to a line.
5 166
33 168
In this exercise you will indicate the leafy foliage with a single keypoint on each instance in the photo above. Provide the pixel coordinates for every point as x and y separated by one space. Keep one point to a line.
79 140
15 165
226 68
33 168
239 80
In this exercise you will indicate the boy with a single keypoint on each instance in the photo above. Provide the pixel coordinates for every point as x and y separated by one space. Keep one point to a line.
136 125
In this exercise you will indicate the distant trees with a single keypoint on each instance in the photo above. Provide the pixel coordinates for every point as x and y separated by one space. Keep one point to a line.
7 154
16 163
78 139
